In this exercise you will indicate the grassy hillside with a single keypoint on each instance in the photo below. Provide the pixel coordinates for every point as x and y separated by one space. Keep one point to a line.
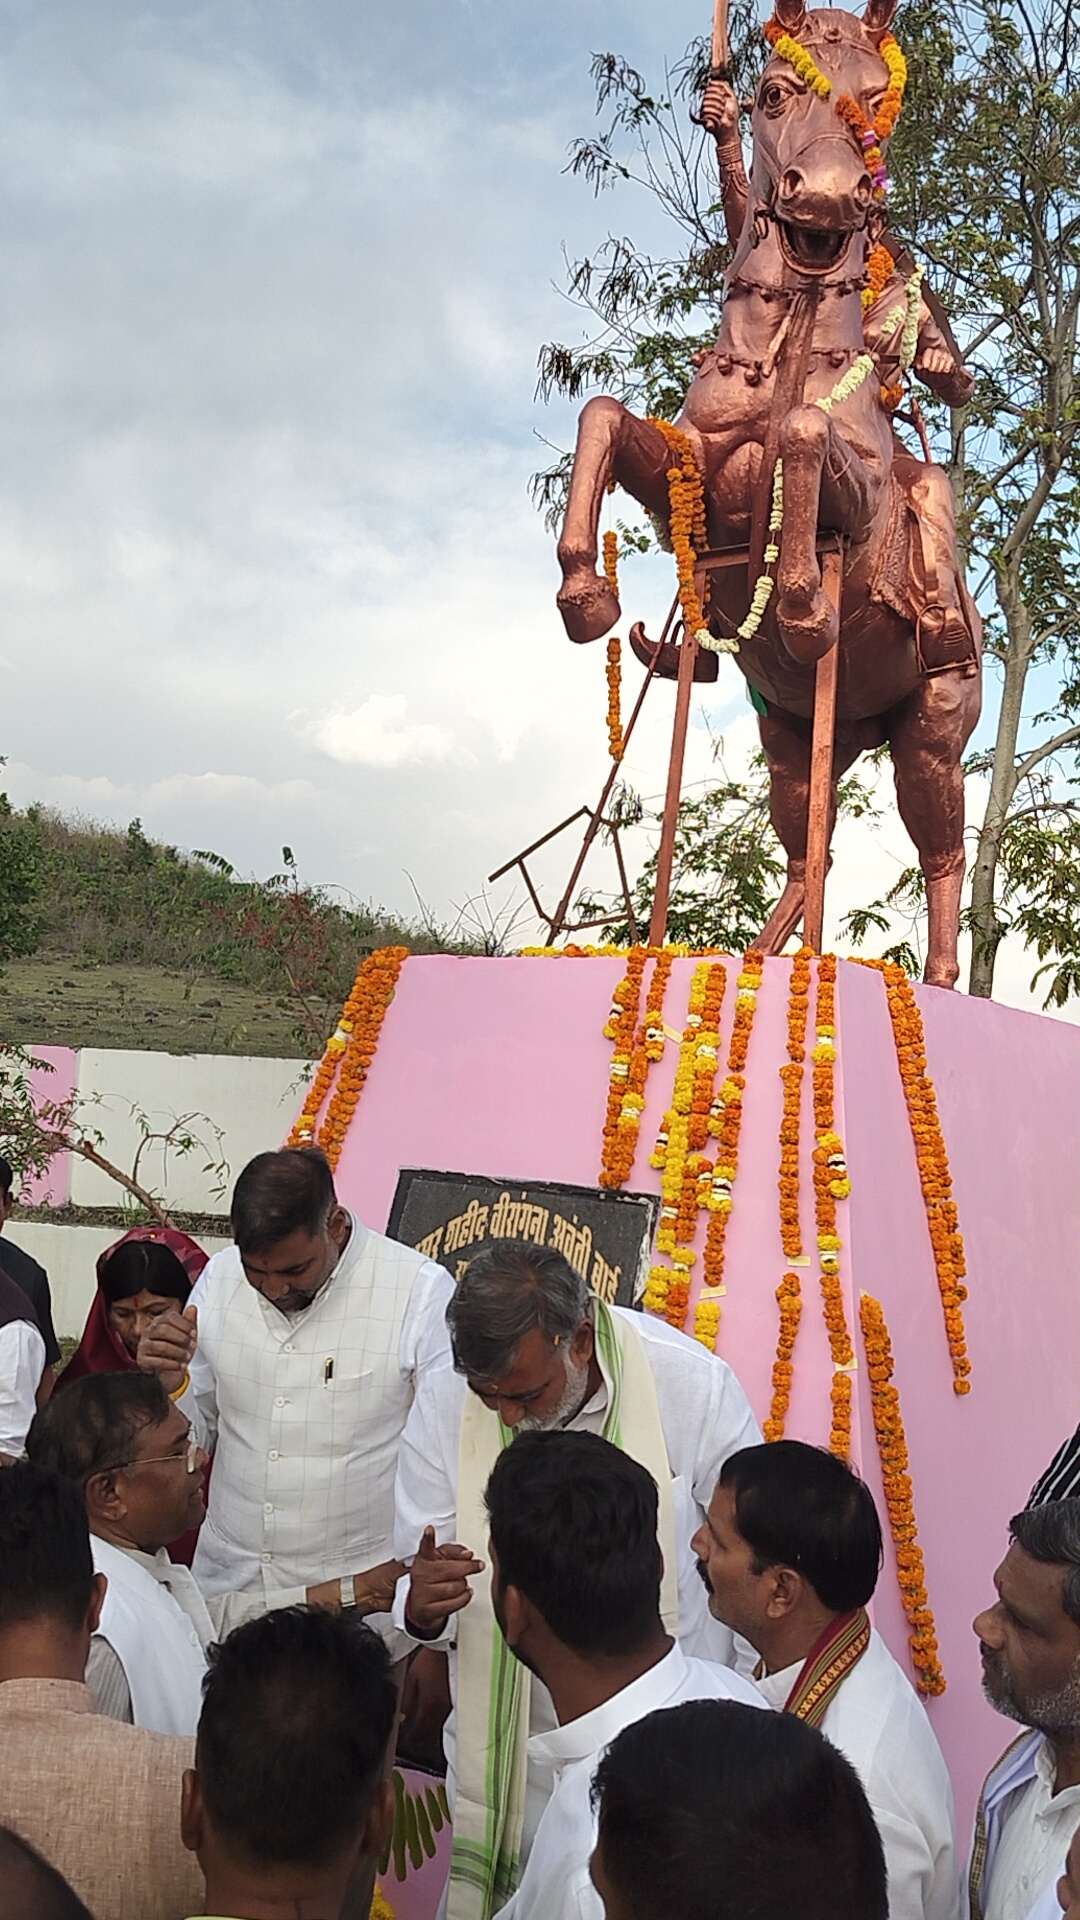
114 940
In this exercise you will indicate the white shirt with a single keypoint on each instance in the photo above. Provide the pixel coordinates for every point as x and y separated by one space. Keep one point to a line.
304 1413
1036 1831
22 1363
148 1656
876 1718
705 1416
555 1884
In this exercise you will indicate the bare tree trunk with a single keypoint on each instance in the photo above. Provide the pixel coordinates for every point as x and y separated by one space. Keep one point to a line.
986 929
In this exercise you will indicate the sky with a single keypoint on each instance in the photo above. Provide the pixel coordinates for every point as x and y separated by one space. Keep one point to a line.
273 281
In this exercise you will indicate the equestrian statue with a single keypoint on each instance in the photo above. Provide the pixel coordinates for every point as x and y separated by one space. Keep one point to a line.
785 447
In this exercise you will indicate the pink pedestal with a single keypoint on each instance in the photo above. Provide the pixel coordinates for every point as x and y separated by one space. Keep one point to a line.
500 1067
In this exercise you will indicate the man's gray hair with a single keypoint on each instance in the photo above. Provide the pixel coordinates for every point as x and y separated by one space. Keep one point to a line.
505 1292
1050 1533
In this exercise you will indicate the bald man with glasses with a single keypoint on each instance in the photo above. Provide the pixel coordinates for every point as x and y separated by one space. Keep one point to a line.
142 1473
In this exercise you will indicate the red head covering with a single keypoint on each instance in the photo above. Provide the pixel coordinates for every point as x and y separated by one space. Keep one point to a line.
101 1349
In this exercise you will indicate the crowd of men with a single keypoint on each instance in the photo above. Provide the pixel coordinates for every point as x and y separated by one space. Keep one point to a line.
502 1511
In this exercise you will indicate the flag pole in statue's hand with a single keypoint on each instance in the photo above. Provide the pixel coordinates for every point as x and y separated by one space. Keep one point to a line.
721 51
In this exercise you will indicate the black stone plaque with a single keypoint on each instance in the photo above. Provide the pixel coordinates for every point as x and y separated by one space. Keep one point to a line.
451 1216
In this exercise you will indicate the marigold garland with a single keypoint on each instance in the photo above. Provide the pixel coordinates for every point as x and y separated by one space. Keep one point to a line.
896 1479
349 1053
686 495
791 1078
830 1185
633 1054
879 267
933 1162
789 1301
614 653
725 1119
686 1180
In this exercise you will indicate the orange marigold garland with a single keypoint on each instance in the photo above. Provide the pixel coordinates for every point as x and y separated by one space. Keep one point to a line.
789 1301
630 1061
880 267
614 654
792 1078
686 495
933 1161
896 1478
725 1121
830 1185
349 1053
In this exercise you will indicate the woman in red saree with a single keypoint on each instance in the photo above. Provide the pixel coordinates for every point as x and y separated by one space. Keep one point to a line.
139 1277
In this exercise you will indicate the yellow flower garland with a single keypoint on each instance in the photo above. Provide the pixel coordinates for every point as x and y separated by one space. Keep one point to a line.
791 1078
830 1185
871 135
896 1479
725 1123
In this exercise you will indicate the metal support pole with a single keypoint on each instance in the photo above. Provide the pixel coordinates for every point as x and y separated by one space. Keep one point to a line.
819 816
688 647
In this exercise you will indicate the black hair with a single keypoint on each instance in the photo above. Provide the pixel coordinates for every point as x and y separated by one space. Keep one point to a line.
7 1175
298 1709
715 1811
279 1194
506 1291
573 1526
143 1265
1050 1533
799 1506
95 1423
46 1567
30 1887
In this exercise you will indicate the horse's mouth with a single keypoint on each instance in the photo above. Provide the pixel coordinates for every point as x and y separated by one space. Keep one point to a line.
812 249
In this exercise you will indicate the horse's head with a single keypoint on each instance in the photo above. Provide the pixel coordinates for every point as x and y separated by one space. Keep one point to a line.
810 167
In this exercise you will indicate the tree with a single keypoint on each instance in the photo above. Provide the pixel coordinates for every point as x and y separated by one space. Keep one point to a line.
986 160
20 884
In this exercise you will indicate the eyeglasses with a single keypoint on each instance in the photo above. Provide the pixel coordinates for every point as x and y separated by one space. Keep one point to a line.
189 1456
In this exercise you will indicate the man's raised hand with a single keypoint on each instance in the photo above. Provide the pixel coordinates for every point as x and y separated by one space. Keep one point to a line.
168 1344
439 1583
719 113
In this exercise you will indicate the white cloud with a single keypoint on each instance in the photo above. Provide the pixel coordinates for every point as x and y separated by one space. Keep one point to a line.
377 734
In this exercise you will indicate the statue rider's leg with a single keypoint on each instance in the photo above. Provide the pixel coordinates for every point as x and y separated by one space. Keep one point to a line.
612 444
825 484
927 737
944 635
786 743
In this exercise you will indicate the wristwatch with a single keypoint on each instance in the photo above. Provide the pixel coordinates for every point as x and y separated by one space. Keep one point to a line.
347 1589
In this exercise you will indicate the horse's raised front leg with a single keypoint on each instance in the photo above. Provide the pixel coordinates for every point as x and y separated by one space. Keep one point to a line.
927 739
825 484
786 742
612 444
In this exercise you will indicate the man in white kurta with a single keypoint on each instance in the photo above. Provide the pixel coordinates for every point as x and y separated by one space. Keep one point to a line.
560 1502
141 1472
1029 1641
311 1331
791 1548
704 1416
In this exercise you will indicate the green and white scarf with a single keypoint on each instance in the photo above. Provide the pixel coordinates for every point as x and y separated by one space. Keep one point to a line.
493 1689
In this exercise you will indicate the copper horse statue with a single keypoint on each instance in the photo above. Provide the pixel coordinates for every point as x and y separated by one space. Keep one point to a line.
792 324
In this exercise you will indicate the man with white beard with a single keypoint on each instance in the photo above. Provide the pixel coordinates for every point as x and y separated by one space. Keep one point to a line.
534 1350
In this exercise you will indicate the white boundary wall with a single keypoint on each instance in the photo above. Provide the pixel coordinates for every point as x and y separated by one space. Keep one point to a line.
69 1256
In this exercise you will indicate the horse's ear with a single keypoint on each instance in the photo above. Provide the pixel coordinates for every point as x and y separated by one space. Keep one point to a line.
791 15
878 16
